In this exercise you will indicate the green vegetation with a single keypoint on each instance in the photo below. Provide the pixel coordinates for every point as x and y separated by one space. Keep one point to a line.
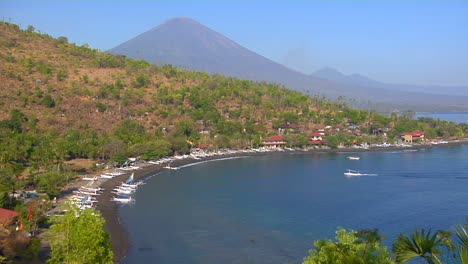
15 245
75 102
366 247
350 247
421 244
77 237
60 101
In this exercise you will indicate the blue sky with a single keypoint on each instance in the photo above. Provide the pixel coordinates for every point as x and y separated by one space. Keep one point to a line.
415 42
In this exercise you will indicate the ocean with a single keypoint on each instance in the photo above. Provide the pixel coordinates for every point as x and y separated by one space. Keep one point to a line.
269 209
458 117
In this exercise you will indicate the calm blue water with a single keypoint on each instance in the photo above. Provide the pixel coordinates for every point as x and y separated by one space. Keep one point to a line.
461 117
270 209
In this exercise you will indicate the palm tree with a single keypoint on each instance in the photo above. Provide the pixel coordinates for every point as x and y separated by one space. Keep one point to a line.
462 235
420 244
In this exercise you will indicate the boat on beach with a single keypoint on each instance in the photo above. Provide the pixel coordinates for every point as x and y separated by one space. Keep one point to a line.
91 188
122 199
125 190
134 186
90 179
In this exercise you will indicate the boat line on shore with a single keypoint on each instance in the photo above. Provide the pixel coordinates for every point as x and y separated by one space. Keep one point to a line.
190 161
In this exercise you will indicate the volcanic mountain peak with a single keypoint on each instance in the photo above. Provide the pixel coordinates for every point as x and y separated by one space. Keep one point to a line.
187 44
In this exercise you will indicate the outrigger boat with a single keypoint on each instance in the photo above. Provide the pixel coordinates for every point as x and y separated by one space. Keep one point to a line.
122 199
90 179
98 189
134 186
169 167
123 191
106 176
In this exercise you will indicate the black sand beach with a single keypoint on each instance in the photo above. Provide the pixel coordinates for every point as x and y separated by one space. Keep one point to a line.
118 234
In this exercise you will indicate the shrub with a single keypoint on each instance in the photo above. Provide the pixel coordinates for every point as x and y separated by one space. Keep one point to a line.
101 107
61 75
48 101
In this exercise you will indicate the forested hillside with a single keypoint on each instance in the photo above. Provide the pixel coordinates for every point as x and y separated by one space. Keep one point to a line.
60 101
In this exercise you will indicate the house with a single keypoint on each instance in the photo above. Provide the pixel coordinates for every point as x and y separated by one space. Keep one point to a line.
411 137
7 216
293 128
315 138
337 127
274 142
321 131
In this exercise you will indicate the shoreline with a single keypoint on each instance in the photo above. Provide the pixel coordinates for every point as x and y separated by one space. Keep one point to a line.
109 210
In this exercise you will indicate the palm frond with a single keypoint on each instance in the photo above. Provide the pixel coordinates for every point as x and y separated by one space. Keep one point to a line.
462 235
463 252
419 244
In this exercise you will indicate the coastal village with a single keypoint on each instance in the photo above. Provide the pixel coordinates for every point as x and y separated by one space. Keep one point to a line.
84 128
87 192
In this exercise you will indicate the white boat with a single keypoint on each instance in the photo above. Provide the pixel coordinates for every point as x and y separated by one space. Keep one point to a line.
122 191
125 188
354 158
122 200
89 179
83 192
106 176
92 188
135 185
171 168
353 173
79 197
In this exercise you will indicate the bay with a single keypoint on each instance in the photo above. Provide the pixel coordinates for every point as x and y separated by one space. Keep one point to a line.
270 209
457 117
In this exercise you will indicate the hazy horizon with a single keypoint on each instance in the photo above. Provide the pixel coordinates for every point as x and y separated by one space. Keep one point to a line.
422 43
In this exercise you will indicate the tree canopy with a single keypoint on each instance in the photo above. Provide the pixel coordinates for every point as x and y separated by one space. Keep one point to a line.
349 247
78 237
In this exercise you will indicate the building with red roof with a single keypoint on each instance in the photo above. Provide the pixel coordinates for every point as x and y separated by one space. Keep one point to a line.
410 137
7 216
315 138
274 142
315 142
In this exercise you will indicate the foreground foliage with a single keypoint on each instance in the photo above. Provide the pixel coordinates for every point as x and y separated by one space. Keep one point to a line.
366 246
78 237
350 247
421 244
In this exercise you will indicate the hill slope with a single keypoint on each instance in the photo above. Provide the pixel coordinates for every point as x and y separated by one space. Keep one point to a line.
67 86
186 43
59 101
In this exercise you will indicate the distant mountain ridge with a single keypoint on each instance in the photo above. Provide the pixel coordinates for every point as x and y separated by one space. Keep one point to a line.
358 79
187 44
